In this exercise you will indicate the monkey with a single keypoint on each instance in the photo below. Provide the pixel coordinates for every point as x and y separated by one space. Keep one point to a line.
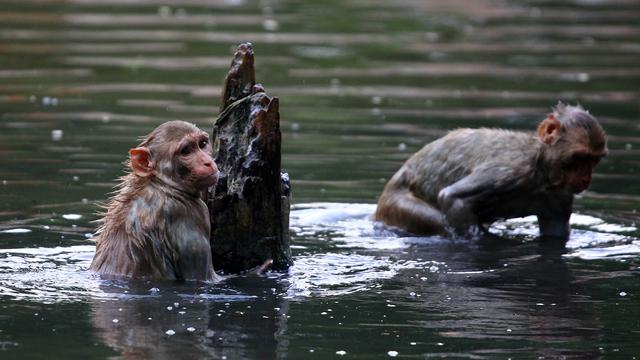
157 226
461 183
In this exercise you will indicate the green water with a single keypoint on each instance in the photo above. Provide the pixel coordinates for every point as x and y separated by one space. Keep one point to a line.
362 85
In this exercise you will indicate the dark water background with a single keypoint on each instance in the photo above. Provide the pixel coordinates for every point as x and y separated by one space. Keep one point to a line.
362 84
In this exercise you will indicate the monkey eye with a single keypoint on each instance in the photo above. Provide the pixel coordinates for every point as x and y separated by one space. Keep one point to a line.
186 150
203 143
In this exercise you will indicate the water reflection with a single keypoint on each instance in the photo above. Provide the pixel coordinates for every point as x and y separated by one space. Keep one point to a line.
155 320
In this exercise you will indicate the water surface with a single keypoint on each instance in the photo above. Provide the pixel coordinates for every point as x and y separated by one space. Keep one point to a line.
363 84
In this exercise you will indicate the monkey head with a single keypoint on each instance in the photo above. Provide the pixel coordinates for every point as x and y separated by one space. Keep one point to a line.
575 143
178 154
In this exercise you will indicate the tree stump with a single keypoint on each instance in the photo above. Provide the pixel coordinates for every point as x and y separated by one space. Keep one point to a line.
249 207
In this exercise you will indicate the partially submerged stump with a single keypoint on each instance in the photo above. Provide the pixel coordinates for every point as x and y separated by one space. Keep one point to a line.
250 205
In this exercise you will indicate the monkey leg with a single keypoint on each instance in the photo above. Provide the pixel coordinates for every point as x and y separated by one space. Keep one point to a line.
403 209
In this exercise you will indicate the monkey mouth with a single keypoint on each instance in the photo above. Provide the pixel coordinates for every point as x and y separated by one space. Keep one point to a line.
207 181
213 178
577 189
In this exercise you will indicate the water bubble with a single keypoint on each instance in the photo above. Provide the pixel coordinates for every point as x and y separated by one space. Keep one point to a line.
209 333
295 126
169 308
234 2
628 147
432 36
71 216
76 178
376 100
402 146
270 25
622 293
191 329
115 321
341 352
164 11
392 353
56 134
170 332
535 12
413 343
440 344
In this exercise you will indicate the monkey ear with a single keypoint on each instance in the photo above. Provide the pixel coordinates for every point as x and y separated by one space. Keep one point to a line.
141 163
549 130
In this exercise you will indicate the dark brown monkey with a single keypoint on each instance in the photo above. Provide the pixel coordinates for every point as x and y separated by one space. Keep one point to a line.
156 225
472 177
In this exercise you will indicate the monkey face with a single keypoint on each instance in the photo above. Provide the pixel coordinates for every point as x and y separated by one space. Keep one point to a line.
195 167
579 175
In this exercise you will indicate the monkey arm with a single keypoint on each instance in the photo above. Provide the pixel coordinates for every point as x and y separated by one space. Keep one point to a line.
192 251
462 201
554 227
554 221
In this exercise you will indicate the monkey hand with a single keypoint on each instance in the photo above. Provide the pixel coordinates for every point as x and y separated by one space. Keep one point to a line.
260 269
458 216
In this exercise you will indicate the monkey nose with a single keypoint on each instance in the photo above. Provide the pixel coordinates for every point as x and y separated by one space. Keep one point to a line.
209 164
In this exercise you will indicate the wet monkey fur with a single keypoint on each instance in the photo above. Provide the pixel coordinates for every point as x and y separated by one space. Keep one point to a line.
472 177
157 226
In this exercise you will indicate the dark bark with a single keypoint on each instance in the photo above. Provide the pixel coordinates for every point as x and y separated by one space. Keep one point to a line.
250 205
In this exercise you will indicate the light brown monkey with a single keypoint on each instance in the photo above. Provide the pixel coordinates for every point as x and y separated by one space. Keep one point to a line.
473 177
157 225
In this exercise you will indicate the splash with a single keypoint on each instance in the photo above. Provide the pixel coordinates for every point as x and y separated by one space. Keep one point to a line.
337 249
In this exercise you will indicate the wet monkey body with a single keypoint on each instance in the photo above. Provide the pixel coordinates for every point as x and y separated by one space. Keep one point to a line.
157 225
472 177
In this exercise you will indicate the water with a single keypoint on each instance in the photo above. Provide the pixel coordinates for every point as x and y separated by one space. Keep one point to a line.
363 84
